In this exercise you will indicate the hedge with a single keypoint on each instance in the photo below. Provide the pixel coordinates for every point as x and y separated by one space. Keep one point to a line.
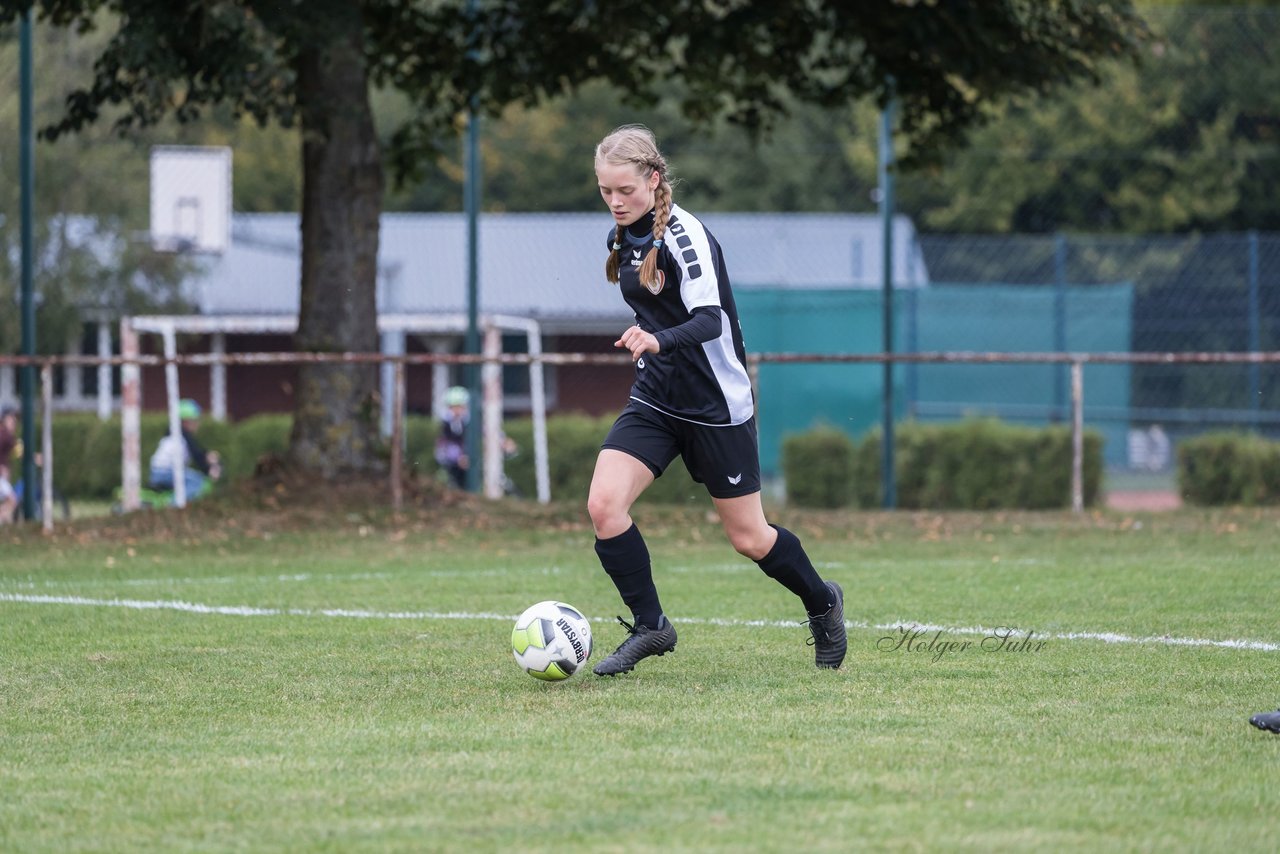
1229 468
87 453
977 464
573 443
812 463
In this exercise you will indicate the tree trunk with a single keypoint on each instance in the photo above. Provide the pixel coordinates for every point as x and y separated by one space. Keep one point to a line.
335 425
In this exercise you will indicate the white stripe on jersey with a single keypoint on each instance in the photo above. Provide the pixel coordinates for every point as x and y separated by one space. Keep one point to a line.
732 374
688 245
705 289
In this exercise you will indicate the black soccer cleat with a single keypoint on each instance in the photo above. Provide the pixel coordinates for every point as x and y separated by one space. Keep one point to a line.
830 641
1268 721
641 643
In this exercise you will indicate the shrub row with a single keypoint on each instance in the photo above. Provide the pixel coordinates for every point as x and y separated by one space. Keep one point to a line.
977 464
573 442
1229 468
87 453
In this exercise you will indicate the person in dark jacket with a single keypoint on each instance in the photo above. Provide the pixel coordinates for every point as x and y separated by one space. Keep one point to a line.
8 444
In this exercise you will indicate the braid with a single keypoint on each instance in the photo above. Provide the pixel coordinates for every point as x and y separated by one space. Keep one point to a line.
661 213
614 260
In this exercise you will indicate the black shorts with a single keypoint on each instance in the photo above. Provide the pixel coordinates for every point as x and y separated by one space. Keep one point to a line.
724 459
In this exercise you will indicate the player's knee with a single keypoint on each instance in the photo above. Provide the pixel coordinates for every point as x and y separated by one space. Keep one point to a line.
750 542
606 511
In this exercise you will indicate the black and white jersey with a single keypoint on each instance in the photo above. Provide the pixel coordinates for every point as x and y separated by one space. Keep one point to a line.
707 382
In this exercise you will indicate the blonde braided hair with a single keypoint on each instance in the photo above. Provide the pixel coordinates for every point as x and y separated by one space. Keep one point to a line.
635 144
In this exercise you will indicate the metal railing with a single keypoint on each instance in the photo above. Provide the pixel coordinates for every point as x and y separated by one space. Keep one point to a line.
493 397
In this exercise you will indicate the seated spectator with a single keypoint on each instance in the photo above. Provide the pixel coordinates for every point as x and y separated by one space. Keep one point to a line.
199 466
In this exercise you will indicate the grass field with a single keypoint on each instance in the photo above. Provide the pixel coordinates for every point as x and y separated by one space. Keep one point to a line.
346 685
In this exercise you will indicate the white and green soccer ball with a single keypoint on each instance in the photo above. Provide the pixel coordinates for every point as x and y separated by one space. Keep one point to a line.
551 640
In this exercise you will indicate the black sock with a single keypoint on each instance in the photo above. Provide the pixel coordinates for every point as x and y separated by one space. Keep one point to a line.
626 559
788 564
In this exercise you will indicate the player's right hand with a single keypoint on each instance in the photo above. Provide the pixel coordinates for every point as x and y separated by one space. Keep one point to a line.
638 342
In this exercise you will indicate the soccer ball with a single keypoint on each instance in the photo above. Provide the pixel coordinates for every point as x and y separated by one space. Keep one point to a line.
551 640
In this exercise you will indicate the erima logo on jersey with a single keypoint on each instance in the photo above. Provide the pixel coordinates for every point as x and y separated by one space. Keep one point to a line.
735 480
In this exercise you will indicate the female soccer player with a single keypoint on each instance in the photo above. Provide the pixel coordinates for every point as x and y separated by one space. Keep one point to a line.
691 397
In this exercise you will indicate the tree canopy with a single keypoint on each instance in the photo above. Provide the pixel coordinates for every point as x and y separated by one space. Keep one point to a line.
1183 141
949 62
91 193
315 64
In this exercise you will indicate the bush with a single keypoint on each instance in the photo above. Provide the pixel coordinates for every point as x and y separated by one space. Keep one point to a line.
87 452
1050 461
1229 468
977 464
818 467
573 443
420 434
251 440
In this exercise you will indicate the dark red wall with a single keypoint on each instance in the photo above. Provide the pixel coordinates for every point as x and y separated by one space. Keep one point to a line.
255 389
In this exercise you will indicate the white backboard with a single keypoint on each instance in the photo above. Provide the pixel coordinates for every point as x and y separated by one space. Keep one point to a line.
190 198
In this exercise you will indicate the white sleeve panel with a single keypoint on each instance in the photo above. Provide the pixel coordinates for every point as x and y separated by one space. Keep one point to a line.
732 375
687 242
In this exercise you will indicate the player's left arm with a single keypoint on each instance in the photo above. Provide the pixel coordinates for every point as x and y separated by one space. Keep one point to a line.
689 252
703 326
687 258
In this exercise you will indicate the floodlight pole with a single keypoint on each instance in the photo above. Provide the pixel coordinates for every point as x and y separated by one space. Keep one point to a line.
1255 331
1059 324
26 165
471 202
888 480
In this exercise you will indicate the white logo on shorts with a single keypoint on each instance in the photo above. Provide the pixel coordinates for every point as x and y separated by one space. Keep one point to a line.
735 480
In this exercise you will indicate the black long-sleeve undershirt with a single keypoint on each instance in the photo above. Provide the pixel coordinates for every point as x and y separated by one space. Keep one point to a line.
197 456
702 326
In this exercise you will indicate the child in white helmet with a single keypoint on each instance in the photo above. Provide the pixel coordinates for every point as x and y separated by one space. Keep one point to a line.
451 444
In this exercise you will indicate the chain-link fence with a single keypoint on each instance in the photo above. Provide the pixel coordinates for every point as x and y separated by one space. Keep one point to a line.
1194 293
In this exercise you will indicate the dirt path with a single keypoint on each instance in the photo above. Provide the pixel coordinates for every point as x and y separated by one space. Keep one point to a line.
1143 500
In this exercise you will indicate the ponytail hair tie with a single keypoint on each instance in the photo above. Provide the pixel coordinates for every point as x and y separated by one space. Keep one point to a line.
657 244
616 246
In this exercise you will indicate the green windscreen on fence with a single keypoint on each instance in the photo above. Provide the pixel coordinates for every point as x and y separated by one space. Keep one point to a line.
987 318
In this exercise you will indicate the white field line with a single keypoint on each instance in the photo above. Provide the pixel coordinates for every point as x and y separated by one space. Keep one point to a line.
897 627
